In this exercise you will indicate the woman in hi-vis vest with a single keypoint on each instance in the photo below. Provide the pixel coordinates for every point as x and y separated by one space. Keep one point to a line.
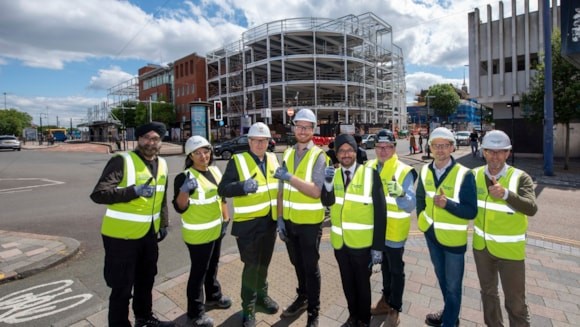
204 217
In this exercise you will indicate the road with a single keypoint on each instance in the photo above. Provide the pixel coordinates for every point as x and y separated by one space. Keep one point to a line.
47 192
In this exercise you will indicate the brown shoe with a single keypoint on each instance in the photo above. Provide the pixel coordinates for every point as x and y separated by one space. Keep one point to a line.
392 319
382 308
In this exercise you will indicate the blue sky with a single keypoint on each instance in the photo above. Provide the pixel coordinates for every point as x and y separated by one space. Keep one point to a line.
59 57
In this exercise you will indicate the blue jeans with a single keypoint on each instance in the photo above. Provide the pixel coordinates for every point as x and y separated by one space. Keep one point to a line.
449 268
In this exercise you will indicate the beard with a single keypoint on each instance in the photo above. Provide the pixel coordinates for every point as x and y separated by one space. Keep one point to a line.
149 150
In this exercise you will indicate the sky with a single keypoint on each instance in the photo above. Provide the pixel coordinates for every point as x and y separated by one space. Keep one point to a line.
58 58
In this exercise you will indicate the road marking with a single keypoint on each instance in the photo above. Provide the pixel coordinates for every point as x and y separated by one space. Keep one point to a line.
47 182
25 305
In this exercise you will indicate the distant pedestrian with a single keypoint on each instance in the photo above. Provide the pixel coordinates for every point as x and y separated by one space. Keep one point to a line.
474 140
412 144
420 143
361 154
331 153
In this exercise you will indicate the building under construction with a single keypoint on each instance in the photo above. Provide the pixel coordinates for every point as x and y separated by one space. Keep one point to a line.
347 70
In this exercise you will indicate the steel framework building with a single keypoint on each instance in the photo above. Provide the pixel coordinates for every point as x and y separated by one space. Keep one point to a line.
347 69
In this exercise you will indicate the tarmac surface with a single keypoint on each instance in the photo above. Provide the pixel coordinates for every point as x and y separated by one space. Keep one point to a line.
552 276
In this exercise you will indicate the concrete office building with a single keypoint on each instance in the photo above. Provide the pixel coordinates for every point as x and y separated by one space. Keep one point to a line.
346 69
502 57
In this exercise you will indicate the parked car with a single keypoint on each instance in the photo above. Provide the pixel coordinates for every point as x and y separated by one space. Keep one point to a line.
368 141
462 138
9 142
226 149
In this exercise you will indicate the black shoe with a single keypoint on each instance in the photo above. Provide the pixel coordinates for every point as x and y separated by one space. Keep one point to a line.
152 321
268 305
297 307
350 322
312 319
202 321
248 320
223 302
436 319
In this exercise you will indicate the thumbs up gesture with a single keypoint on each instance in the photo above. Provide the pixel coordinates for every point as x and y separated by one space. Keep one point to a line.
496 190
440 199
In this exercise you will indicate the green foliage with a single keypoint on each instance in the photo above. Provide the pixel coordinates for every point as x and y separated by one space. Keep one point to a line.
444 99
565 85
12 122
162 112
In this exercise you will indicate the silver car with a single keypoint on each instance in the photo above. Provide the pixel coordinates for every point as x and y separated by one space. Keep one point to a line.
9 142
462 138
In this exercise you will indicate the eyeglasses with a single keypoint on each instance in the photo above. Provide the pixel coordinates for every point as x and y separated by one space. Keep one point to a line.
385 148
304 128
349 151
441 146
153 139
200 153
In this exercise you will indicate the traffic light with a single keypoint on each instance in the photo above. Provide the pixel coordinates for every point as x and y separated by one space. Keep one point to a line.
217 111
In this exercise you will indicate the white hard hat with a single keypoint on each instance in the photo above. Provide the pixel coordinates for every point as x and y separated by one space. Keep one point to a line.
259 130
441 133
496 140
306 115
195 142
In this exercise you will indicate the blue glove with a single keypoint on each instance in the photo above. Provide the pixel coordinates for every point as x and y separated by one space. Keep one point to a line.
189 184
329 174
250 186
283 174
145 190
282 229
162 234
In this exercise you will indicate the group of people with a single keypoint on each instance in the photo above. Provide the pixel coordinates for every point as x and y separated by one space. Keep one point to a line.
370 214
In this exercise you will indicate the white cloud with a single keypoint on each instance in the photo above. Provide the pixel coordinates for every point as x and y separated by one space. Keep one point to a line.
109 77
422 81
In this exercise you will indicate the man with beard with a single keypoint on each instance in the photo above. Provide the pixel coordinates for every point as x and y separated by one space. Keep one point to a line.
133 186
300 214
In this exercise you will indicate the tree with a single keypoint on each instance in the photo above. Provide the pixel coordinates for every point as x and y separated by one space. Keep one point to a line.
444 99
161 112
12 122
566 91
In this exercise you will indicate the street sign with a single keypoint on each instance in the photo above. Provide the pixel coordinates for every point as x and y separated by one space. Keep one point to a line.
290 112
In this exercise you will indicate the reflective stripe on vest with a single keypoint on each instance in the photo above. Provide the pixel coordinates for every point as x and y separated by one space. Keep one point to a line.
498 226
398 220
132 220
352 214
259 204
298 207
202 221
450 230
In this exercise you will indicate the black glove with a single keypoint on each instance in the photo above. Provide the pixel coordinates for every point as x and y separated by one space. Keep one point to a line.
225 227
162 234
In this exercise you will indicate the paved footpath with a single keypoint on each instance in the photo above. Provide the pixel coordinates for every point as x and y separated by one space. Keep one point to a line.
552 278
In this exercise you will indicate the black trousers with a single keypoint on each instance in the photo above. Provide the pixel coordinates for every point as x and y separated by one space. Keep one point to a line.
303 246
355 275
130 269
203 274
256 249
393 269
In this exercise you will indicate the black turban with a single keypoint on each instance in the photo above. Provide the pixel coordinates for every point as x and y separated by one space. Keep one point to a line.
155 126
344 138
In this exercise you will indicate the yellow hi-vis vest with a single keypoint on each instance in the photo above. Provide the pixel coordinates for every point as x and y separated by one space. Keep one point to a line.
202 221
352 215
132 220
298 207
398 220
450 230
497 226
254 205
